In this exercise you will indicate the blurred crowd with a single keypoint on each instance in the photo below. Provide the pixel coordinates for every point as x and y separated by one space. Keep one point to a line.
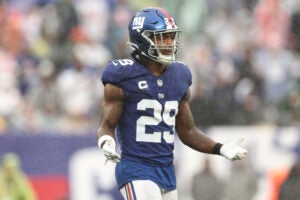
244 56
242 182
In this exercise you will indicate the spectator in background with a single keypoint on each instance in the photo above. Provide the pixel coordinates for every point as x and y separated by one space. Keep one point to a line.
68 19
13 107
202 103
247 91
290 189
93 18
295 29
46 98
10 99
248 110
272 22
242 182
11 36
116 41
67 24
290 108
206 185
275 68
14 185
77 84
224 83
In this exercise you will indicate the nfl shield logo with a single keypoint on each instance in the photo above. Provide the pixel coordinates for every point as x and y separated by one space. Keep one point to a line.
160 82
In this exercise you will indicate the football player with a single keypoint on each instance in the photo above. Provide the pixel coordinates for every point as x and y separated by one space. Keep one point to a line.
146 102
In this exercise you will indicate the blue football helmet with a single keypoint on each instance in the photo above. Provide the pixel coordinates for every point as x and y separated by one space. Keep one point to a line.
154 34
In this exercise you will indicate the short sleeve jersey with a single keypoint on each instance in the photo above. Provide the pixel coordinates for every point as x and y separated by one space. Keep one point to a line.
146 128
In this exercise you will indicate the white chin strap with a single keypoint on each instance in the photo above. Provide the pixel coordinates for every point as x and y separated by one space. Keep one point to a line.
165 59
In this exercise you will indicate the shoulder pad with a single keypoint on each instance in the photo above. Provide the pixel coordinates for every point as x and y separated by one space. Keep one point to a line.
183 70
117 70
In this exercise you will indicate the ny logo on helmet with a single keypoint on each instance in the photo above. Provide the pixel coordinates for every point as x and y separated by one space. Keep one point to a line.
138 23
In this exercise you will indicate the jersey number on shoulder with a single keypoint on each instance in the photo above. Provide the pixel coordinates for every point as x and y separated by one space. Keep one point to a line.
168 116
123 62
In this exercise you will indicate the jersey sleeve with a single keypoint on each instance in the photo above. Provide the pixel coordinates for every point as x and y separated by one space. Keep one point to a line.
112 73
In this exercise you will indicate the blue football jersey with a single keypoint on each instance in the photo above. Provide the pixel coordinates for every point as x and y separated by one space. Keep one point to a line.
146 128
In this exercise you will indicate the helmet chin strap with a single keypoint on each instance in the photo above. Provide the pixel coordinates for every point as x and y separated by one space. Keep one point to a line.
165 60
168 59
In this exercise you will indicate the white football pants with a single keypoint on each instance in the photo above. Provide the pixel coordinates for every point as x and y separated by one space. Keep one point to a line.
146 190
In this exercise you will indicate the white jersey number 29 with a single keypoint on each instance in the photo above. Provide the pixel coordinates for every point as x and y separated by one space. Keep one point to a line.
158 117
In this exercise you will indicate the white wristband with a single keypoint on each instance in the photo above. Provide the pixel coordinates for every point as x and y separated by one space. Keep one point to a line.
104 138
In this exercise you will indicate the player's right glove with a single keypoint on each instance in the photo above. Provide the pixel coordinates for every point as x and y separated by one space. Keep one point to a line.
233 150
108 146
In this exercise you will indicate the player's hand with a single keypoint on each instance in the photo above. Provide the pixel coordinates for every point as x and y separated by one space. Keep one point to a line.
108 146
233 150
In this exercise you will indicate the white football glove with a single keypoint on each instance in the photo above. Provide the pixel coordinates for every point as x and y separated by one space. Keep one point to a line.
233 150
109 148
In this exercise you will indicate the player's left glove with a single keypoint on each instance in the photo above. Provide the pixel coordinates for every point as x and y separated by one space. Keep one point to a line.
108 146
233 150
